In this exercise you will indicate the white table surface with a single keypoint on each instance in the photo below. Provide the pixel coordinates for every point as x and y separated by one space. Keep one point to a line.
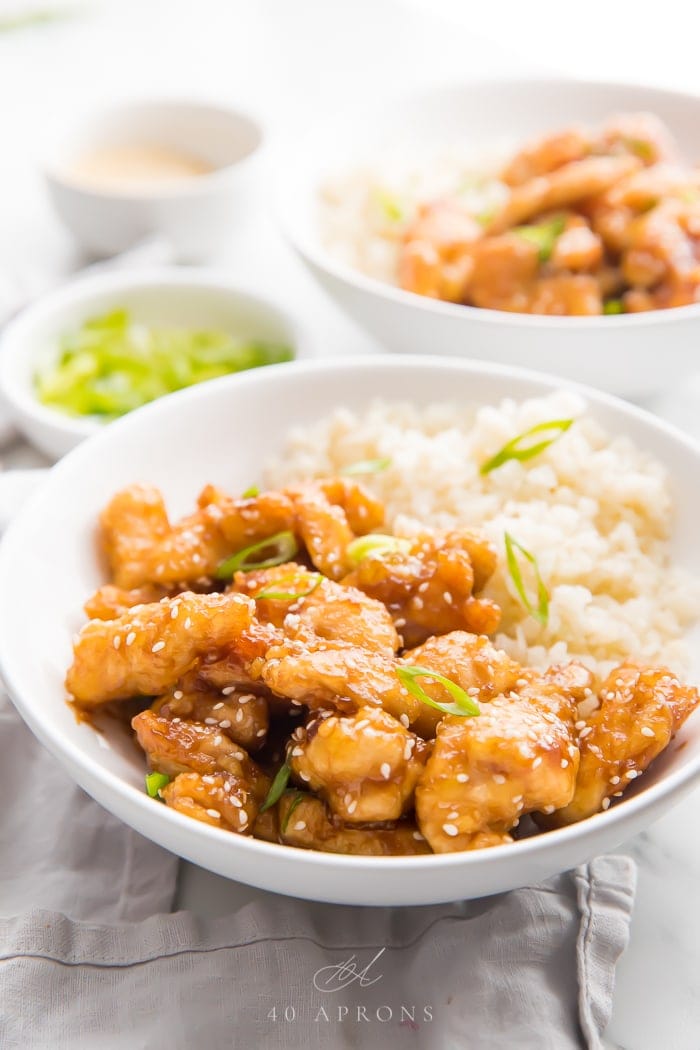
292 62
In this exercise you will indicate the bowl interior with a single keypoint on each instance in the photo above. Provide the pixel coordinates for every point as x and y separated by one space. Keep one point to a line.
190 301
223 433
483 117
219 137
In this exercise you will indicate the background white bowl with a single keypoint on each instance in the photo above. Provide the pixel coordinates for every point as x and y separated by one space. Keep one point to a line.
191 298
632 354
196 215
222 432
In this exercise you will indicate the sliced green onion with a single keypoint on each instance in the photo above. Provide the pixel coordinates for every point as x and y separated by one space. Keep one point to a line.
640 147
544 235
367 466
299 797
286 545
464 706
513 450
277 788
250 493
290 596
613 306
374 543
155 782
541 611
390 206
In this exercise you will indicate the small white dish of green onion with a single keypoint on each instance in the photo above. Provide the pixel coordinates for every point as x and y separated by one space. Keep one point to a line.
110 343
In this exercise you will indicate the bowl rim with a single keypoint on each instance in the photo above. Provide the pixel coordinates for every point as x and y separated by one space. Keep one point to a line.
20 396
311 249
73 756
195 186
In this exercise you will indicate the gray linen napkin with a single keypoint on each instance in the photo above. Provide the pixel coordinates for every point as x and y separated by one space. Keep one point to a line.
91 959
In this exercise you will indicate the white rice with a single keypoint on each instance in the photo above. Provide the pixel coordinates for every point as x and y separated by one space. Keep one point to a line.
364 212
593 509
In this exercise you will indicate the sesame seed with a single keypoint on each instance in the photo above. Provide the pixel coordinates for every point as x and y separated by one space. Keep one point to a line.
213 813
537 762
400 622
385 770
176 720
617 794
498 778
239 715
210 721
580 725
453 815
423 587
296 751
631 774
564 763
353 806
305 777
178 694
131 638
208 779
261 732
242 818
218 740
217 707
462 778
585 732
646 731
404 720
174 611
236 801
417 603
517 799
228 690
605 803
548 809
408 750
157 647
450 829
300 825
188 623
117 641
614 780
417 836
245 698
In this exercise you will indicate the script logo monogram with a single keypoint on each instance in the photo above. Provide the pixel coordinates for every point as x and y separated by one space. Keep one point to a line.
340 975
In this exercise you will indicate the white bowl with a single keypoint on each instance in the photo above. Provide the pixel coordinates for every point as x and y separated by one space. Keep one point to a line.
196 214
631 355
221 432
191 298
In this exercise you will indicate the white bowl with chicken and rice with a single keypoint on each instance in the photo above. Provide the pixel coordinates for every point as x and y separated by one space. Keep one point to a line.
428 632
550 224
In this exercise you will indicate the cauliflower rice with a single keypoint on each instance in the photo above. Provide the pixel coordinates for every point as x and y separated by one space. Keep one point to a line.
594 510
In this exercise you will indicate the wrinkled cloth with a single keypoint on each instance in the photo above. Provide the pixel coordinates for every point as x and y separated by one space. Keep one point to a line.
91 957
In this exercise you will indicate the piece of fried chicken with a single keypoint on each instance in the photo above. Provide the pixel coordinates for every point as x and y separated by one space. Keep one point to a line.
428 585
146 650
241 715
519 754
305 604
640 712
309 826
365 766
219 799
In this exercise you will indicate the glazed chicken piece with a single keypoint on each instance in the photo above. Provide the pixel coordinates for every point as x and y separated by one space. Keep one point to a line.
329 515
309 826
110 602
435 259
322 674
642 135
640 711
562 295
577 249
485 772
563 187
219 799
143 547
174 747
323 608
546 155
242 716
429 588
504 269
365 765
147 649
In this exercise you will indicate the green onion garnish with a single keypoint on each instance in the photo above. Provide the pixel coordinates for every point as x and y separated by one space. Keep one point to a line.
541 612
613 306
367 466
290 596
299 797
278 787
251 493
390 206
463 706
544 235
513 450
155 782
286 547
640 147
374 543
